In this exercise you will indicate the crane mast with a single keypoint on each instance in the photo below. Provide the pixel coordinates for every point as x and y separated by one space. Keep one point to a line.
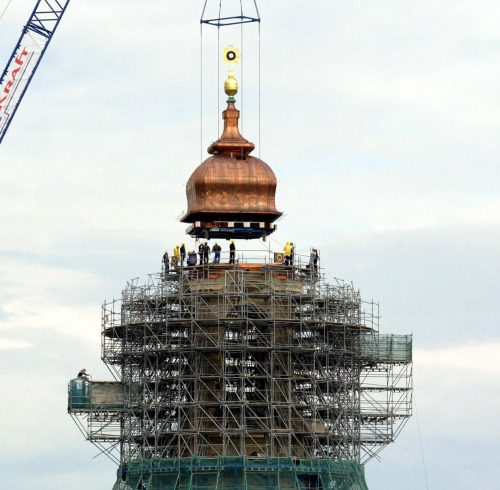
26 57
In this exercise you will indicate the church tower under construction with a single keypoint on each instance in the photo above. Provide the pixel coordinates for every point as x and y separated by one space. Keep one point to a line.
252 372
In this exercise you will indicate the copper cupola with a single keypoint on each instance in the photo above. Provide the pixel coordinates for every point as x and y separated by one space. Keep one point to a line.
231 194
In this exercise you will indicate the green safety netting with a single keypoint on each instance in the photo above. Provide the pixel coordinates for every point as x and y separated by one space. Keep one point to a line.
238 473
387 347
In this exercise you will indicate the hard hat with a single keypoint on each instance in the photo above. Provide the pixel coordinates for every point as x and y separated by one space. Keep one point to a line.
177 245
183 243
166 251
232 241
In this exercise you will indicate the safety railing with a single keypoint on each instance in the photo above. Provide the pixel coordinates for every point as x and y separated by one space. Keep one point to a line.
246 256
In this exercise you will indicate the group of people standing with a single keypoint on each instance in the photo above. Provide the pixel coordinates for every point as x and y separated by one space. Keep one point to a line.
204 251
177 258
289 256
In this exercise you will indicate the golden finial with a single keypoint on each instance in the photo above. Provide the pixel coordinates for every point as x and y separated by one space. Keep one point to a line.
231 55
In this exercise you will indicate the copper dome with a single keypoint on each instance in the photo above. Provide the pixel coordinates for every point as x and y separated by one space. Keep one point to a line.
231 185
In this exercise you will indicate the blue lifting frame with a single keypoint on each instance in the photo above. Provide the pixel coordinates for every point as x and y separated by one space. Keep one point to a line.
43 21
230 21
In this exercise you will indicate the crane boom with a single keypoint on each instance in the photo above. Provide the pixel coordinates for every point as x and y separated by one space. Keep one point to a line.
26 57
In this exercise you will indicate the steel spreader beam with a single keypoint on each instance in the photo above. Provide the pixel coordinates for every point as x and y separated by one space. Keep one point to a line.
26 57
233 18
229 21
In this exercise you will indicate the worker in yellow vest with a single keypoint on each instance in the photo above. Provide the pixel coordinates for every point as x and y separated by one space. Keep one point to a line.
177 255
288 253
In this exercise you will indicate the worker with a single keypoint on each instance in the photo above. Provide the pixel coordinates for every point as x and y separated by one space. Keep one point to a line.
166 262
288 251
183 253
124 472
232 252
83 375
292 252
216 250
123 485
200 252
206 252
177 255
313 261
219 409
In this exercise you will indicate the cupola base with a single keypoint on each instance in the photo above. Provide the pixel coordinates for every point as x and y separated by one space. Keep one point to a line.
246 230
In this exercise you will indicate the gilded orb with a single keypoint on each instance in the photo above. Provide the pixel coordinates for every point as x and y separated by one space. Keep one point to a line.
231 86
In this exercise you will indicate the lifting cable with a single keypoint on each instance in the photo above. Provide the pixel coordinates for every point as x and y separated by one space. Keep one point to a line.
276 241
5 9
201 90
201 83
218 73
420 440
260 141
258 16
242 57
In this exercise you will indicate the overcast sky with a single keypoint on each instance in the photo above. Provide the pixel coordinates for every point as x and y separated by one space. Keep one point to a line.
381 121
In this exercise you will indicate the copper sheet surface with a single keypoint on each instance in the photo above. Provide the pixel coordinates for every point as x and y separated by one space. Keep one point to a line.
232 184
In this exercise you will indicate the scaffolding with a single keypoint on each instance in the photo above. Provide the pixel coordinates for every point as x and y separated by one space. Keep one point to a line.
258 361
198 473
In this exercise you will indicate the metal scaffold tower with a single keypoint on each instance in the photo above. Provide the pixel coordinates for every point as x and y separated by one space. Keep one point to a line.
262 368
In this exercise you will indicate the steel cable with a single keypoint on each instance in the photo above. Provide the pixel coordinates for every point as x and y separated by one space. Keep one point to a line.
420 440
5 9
